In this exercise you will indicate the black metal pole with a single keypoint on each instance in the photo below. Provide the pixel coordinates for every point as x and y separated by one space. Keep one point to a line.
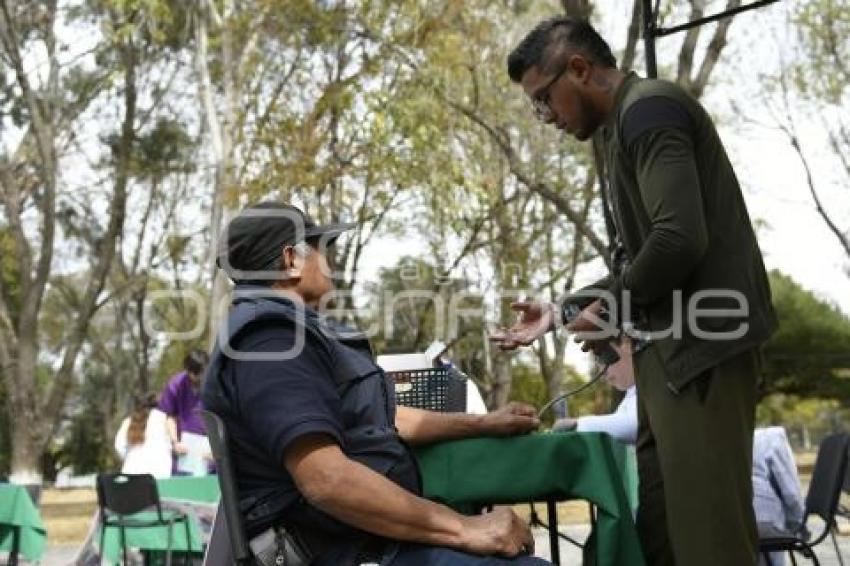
652 31
554 541
649 39
660 32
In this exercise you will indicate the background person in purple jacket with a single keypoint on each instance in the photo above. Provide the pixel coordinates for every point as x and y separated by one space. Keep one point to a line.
181 402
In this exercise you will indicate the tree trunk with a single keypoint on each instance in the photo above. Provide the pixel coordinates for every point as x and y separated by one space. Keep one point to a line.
26 445
104 251
22 356
26 451
221 140
502 379
36 413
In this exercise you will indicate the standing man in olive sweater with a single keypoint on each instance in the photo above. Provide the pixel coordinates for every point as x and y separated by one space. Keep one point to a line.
687 275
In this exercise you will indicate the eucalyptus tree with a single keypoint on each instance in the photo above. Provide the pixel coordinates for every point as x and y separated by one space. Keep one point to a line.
59 130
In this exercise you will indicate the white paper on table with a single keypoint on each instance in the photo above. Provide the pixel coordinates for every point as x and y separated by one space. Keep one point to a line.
194 461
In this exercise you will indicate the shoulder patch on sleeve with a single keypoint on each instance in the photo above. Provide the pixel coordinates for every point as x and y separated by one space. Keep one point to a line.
652 113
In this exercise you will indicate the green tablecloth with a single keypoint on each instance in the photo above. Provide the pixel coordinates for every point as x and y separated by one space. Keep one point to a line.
17 510
151 538
196 489
627 464
537 467
203 490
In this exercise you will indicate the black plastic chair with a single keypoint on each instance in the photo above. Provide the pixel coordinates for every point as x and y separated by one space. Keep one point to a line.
843 510
121 496
821 500
217 434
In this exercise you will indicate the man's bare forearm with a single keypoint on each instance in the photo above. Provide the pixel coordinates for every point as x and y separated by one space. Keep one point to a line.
419 427
358 496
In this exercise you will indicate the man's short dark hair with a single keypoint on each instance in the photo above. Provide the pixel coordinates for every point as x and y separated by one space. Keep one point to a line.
547 45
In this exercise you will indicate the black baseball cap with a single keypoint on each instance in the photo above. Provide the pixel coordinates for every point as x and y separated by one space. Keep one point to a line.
252 243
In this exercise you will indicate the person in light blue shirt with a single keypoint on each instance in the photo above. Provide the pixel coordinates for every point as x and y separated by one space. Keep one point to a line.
777 497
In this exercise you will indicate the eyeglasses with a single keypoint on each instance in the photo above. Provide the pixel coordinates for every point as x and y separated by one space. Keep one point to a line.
540 99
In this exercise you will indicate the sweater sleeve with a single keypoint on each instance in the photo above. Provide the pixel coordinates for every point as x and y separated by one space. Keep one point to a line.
658 136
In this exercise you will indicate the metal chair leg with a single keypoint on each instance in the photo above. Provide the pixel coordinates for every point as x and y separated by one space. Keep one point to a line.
16 546
554 542
124 546
793 557
102 539
168 547
835 543
187 559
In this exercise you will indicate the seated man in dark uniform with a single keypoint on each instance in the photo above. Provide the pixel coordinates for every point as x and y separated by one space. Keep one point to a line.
318 444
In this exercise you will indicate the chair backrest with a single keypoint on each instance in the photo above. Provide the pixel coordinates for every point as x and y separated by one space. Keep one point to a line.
125 494
828 478
846 487
456 392
217 435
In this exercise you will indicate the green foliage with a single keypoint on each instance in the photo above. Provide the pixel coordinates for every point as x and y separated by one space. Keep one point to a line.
415 298
164 150
528 387
10 285
806 420
86 444
823 27
812 345
5 432
155 23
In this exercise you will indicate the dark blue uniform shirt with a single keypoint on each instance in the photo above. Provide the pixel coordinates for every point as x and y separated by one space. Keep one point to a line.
276 402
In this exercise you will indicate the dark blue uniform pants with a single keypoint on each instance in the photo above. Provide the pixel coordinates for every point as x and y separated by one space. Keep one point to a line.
418 555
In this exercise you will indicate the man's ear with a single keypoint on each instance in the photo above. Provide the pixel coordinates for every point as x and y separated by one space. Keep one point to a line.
290 262
579 67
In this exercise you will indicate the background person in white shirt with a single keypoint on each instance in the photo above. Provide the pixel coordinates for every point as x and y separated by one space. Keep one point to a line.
622 424
142 440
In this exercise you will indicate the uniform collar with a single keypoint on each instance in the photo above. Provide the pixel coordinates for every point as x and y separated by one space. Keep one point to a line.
628 81
326 324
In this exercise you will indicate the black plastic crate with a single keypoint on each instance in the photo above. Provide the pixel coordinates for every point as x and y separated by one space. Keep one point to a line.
434 389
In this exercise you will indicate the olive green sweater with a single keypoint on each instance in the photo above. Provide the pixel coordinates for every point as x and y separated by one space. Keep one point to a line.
682 230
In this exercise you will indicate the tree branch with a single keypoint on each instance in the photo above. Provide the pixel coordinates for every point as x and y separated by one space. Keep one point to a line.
55 398
712 54
838 150
12 202
542 189
789 128
842 238
632 38
578 9
8 339
41 116
689 45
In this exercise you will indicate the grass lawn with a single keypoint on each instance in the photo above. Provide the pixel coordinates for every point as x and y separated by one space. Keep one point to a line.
67 514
